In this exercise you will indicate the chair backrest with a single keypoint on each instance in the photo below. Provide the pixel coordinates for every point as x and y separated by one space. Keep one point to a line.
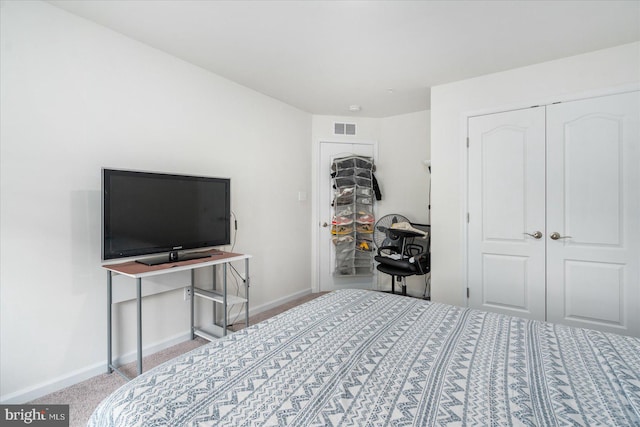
416 246
413 249
419 242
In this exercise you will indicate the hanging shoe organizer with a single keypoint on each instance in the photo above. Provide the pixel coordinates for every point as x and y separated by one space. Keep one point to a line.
353 219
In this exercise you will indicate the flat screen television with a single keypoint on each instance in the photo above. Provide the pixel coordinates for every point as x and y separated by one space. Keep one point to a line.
146 213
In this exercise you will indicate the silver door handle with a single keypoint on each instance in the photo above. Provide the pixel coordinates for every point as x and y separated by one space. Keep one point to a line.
555 236
535 235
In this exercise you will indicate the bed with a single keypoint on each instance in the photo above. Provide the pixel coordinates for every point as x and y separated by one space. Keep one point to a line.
364 358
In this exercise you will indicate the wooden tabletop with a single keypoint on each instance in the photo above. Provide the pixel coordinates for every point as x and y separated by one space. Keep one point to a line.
136 269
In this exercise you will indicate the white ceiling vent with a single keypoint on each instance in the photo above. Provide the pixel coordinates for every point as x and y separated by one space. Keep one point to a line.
344 128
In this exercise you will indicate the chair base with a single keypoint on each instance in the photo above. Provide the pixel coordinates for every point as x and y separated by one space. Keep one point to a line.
393 287
407 295
398 274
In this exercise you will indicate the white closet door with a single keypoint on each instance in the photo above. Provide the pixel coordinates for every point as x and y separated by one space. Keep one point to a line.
593 203
506 266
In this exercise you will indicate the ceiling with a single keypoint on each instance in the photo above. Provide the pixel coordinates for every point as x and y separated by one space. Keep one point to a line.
325 56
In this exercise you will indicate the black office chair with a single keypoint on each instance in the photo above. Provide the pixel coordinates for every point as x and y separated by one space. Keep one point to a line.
409 255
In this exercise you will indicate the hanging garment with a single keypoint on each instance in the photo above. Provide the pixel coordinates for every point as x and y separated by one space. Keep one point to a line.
376 187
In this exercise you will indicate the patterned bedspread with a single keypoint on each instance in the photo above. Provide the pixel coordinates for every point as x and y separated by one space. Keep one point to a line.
357 358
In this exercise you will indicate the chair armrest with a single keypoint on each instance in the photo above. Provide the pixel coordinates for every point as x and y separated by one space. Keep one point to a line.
388 251
419 257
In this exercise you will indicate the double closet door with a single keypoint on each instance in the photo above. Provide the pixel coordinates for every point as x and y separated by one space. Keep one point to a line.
554 213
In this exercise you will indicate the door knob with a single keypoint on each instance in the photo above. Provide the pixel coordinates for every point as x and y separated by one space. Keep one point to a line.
555 236
535 235
325 224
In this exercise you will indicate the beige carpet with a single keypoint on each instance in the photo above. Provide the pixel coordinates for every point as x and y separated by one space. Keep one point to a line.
83 397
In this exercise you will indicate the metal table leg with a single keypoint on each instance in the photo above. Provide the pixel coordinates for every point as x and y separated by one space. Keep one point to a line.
224 299
246 292
193 328
214 280
139 312
109 318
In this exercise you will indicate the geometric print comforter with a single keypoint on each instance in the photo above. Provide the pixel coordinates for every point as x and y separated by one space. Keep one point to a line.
363 358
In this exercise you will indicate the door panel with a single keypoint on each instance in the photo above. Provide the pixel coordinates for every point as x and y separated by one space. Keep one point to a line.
506 201
593 201
503 184
593 176
583 280
505 282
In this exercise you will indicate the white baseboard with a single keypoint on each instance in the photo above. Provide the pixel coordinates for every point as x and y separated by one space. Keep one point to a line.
31 393
273 304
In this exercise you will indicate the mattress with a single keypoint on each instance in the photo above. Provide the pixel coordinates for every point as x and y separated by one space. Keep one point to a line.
364 358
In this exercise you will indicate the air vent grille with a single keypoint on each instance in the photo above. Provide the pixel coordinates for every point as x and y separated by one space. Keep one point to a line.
344 128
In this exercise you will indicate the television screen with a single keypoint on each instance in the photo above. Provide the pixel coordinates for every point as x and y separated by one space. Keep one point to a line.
146 213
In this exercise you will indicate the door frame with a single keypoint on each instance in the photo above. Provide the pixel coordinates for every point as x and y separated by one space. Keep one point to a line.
316 221
464 158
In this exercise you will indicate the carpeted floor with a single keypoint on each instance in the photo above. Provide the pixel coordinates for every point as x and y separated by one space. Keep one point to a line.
83 397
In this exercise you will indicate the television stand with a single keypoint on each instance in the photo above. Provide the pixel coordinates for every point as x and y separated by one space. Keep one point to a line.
176 257
211 331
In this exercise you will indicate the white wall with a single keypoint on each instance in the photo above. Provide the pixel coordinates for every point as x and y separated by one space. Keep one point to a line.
569 78
404 178
76 97
403 144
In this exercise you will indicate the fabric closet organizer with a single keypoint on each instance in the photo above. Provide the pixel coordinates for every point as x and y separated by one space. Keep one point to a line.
353 219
